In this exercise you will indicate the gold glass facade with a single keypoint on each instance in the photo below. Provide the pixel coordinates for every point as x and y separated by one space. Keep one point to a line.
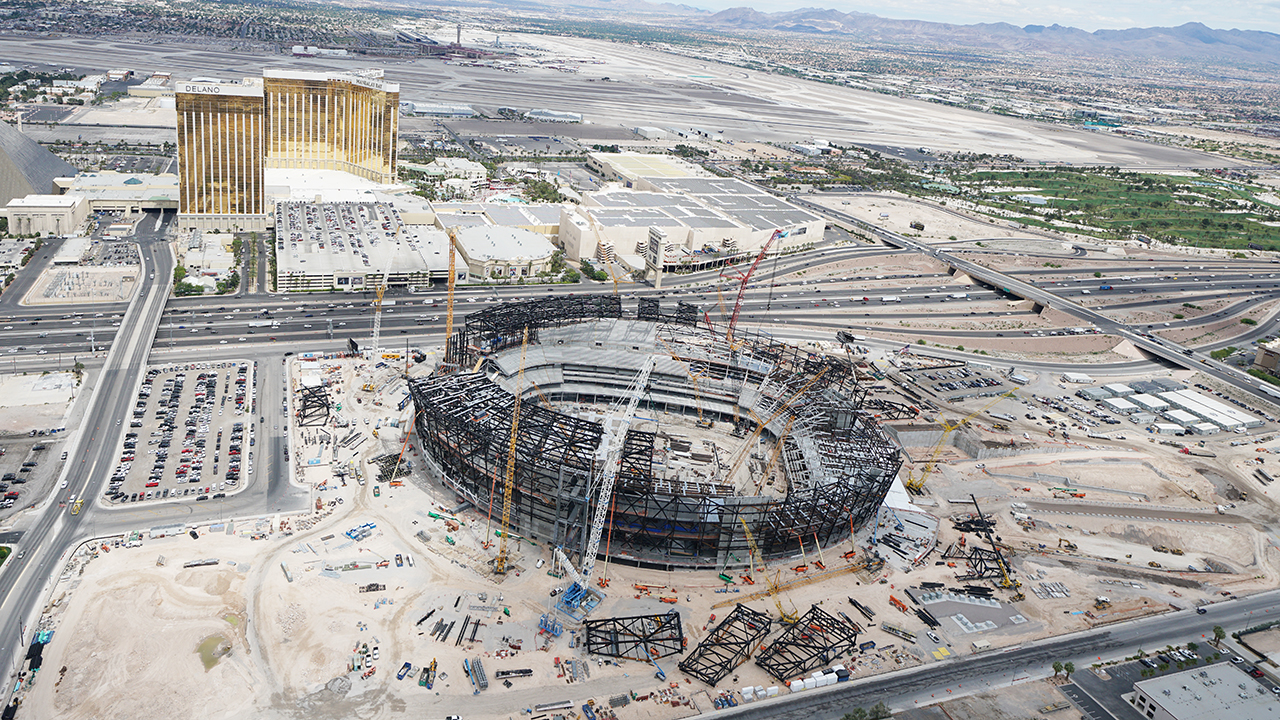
220 152
331 122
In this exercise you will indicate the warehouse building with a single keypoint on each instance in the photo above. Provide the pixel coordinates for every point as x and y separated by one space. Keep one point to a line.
1220 690
1181 417
1094 394
1120 406
1118 390
1149 402
436 110
705 222
1211 410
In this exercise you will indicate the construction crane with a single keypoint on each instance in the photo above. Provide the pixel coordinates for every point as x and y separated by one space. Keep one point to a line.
377 307
742 289
915 483
500 562
453 280
760 425
616 426
770 581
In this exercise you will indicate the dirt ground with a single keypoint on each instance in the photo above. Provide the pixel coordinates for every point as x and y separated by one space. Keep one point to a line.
285 594
35 401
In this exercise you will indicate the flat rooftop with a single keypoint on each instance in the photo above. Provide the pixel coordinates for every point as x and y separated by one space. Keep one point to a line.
1218 691
354 238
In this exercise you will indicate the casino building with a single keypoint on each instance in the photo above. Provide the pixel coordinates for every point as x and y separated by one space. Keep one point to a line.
230 133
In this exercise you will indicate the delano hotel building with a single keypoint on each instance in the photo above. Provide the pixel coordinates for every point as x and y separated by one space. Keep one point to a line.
229 134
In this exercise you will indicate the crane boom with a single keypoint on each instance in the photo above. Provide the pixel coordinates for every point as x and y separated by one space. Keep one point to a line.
500 562
615 436
742 289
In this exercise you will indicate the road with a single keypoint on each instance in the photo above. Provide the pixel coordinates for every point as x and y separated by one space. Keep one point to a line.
1168 351
983 672
91 456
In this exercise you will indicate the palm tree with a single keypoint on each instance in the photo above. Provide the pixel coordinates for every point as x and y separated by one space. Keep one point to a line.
1069 668
1057 667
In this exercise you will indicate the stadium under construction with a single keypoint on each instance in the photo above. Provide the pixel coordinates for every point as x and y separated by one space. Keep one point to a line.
732 450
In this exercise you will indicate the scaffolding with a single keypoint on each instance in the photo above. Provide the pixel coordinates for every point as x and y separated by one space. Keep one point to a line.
640 637
727 646
814 641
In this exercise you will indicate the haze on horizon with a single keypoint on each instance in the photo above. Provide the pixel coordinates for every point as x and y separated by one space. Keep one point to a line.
1087 15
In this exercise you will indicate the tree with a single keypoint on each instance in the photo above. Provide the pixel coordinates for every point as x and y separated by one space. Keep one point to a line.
880 711
179 273
855 714
1057 667
1192 646
1219 634
1068 669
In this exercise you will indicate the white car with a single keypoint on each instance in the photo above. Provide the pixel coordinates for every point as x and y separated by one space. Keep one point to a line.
64 484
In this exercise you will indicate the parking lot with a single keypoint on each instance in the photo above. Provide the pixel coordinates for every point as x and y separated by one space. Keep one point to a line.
28 468
190 436
139 163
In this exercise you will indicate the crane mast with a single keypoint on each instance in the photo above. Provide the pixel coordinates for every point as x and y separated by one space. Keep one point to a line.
453 280
615 436
500 562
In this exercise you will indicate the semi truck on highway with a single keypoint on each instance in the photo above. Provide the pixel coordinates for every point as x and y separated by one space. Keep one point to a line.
890 299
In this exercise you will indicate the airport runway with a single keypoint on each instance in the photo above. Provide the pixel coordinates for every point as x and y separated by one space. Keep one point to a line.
650 88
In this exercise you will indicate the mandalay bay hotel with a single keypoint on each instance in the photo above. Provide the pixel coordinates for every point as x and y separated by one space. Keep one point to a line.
232 134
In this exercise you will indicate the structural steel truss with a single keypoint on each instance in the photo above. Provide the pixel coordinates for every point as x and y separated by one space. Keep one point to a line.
313 405
814 641
838 461
728 646
640 637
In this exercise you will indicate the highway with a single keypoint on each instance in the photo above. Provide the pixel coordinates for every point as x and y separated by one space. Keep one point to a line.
971 674
153 328
1168 351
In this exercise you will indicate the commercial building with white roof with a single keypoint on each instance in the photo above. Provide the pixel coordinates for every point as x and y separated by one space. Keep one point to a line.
1148 402
46 214
504 252
1206 408
1120 405
1214 692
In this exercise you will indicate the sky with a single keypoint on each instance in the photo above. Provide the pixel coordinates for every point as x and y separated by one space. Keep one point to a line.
1084 14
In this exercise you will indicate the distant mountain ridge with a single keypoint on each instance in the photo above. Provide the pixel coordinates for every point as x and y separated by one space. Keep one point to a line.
1190 40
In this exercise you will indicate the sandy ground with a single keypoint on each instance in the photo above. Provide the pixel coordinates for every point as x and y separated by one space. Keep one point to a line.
35 401
59 286
127 111
127 630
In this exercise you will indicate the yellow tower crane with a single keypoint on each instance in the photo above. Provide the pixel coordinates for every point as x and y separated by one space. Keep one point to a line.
915 483
500 562
770 581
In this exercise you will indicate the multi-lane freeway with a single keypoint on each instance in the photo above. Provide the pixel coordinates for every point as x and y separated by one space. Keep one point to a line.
258 326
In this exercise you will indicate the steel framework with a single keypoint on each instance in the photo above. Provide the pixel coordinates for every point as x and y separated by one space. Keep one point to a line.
313 405
815 640
838 462
728 645
640 637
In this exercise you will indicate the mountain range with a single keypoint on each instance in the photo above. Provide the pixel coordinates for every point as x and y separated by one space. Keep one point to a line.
1191 40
